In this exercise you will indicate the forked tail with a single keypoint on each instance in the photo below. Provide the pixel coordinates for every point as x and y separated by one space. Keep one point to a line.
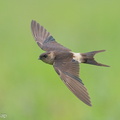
88 58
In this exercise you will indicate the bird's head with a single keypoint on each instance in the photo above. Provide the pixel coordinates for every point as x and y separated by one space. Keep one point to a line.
47 57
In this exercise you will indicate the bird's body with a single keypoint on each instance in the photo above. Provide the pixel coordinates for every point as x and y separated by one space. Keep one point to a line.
51 56
65 62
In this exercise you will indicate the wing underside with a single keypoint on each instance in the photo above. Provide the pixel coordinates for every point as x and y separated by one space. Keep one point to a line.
44 39
69 73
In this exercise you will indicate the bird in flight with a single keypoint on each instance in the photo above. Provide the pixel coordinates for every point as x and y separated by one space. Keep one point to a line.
65 62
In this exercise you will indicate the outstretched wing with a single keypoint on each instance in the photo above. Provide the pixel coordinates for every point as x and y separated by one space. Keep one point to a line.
44 38
68 70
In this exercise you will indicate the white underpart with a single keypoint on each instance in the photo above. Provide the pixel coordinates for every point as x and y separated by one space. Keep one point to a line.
77 57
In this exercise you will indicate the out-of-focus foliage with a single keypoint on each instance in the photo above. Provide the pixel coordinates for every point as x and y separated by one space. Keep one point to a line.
30 89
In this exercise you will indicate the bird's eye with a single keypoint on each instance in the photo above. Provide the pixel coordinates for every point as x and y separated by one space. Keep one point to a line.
45 56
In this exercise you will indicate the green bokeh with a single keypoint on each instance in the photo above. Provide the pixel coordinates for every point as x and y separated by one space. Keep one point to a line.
30 89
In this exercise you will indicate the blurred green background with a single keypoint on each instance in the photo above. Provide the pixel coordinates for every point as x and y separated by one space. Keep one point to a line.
30 89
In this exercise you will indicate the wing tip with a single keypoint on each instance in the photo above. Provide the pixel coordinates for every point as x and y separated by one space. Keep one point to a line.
41 31
89 104
86 101
33 22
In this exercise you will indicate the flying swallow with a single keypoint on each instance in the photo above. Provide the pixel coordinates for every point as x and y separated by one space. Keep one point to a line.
65 62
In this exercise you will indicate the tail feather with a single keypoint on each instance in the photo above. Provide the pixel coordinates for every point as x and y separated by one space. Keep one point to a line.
88 58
